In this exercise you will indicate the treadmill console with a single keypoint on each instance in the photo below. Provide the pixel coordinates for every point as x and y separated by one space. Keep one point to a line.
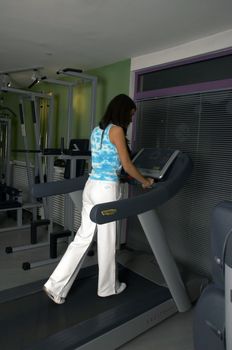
154 162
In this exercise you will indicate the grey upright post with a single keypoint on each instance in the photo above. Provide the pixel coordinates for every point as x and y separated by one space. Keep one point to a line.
157 240
25 143
70 116
36 123
50 122
93 103
5 149
8 153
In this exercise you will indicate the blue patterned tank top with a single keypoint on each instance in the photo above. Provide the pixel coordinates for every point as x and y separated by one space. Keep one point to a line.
105 158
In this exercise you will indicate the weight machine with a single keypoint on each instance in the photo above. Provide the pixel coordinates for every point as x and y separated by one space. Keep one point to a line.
47 155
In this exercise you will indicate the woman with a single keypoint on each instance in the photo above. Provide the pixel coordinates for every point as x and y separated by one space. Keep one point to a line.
109 151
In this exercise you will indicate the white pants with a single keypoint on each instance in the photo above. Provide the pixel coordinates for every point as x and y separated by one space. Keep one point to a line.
62 278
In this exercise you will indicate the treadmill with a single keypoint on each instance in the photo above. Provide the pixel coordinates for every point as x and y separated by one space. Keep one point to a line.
31 321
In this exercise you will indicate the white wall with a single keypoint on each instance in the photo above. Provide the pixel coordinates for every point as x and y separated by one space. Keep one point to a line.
205 45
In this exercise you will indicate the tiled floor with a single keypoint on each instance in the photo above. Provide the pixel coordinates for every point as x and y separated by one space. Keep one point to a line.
11 271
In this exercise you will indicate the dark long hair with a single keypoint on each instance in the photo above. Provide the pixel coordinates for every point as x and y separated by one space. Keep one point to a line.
118 112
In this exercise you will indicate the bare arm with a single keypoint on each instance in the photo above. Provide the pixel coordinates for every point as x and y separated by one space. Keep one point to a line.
117 137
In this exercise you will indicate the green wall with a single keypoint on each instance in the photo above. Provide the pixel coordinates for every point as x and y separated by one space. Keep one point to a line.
113 79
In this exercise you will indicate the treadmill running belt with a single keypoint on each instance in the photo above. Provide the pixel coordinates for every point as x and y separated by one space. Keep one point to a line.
35 322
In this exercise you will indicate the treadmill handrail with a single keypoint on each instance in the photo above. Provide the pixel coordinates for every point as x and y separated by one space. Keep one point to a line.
59 187
162 191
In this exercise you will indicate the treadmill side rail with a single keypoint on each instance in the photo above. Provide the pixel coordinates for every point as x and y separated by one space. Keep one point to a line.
131 329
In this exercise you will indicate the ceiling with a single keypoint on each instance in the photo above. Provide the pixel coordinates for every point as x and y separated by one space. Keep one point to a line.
87 34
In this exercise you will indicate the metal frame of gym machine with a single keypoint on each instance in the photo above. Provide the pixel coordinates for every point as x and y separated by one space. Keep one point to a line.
68 210
5 154
33 96
68 206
